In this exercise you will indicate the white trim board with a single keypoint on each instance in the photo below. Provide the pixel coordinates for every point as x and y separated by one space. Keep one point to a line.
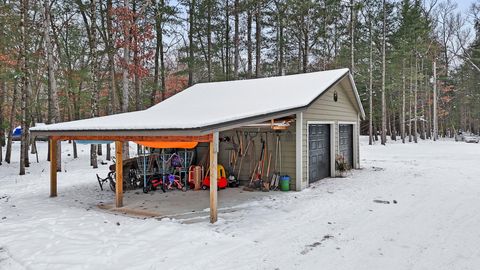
299 152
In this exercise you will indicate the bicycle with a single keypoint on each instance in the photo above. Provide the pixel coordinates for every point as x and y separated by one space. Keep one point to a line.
110 179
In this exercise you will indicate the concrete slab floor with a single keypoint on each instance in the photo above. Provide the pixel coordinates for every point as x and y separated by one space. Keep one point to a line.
188 207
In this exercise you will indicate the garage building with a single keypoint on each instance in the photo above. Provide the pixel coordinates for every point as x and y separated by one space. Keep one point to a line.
315 116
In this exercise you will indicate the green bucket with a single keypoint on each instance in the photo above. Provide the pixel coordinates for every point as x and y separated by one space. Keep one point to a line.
285 183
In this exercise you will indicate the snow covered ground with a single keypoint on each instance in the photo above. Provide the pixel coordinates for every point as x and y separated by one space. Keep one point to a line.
335 224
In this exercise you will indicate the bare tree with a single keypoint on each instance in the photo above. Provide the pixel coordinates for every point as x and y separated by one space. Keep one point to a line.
227 40
3 92
415 101
384 116
352 37
236 38
125 79
258 38
25 84
370 82
53 108
435 101
209 39
159 53
249 44
410 104
191 20
445 29
92 37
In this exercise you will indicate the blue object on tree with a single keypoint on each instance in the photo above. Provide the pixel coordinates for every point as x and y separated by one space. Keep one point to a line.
17 132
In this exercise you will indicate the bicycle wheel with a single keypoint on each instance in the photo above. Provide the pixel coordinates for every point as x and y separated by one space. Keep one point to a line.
111 180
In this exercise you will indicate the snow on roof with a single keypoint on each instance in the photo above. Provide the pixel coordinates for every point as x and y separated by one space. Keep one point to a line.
232 100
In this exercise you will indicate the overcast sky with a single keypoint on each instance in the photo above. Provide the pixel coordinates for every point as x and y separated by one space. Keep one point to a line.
464 5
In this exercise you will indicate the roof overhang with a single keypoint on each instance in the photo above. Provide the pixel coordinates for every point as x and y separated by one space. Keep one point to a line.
357 96
129 134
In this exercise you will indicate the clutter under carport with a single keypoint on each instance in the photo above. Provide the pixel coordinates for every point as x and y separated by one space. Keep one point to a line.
252 157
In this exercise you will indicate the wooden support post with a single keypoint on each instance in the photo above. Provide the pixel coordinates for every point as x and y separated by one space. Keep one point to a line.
213 177
53 168
119 174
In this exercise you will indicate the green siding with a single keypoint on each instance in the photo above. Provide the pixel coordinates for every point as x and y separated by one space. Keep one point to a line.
326 109
287 139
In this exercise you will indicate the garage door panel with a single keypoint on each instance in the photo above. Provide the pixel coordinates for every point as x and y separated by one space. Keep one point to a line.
346 143
319 151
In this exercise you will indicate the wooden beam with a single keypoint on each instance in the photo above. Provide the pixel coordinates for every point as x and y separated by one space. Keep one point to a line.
53 168
119 174
213 177
204 138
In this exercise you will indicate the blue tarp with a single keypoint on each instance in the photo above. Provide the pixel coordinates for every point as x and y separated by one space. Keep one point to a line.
17 131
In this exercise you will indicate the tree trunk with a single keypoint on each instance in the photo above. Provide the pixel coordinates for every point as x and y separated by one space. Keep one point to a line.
209 39
249 44
112 94
393 125
389 124
370 84
53 108
158 71
75 152
3 90
109 152
162 71
258 39
402 121
281 45
435 100
125 80
305 49
352 38
227 40
236 40
126 59
99 150
136 61
25 84
384 137
137 82
410 104
429 110
422 103
113 97
415 102
93 70
300 51
190 40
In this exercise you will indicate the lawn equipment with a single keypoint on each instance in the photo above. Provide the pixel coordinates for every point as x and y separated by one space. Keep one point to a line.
222 181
